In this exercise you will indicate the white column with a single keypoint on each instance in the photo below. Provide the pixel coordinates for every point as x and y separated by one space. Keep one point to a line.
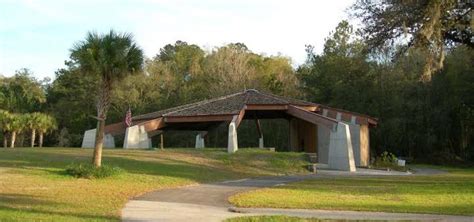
260 142
88 141
199 141
136 137
232 144
341 155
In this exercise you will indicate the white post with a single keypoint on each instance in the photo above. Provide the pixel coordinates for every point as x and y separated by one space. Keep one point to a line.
232 144
199 141
260 142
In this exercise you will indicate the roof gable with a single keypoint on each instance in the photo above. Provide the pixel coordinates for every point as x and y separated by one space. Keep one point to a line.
225 105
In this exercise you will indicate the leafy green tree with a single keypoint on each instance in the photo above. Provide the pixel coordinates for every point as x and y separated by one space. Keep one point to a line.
112 56
69 101
341 75
178 68
427 25
22 92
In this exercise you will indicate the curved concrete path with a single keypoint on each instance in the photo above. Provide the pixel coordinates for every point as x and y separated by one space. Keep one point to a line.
209 202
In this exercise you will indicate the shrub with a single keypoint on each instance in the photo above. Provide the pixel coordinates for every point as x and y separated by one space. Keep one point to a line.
388 160
89 171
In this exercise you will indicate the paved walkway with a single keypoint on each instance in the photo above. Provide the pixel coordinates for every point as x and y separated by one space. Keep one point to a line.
209 202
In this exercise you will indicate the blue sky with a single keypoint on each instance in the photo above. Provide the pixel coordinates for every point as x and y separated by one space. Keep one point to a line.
37 34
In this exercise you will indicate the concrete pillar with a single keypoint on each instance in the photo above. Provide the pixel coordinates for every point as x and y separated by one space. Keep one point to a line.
232 143
136 137
341 155
199 141
88 141
355 141
260 142
324 135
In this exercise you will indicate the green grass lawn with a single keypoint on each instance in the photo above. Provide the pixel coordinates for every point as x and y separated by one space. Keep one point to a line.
33 185
451 193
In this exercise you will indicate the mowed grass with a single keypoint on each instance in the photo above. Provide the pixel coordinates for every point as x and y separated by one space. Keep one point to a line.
33 185
451 193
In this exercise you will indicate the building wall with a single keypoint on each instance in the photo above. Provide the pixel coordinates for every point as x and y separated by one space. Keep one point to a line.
303 136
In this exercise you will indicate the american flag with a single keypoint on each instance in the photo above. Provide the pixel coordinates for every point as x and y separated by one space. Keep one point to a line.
128 118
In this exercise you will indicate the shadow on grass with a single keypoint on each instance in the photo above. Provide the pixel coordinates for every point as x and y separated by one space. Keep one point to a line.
49 160
20 203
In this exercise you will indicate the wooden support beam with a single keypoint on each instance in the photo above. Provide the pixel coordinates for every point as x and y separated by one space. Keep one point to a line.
207 118
154 133
239 118
115 128
118 128
312 117
308 108
152 125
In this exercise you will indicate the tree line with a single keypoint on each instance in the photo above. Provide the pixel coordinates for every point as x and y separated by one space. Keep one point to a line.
22 97
422 90
13 124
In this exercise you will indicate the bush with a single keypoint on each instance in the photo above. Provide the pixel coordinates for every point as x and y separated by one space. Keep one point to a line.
89 171
388 160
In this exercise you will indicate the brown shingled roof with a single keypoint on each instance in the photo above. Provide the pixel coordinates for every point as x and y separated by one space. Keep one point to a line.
225 105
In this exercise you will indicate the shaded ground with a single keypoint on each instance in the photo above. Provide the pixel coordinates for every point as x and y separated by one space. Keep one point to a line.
33 186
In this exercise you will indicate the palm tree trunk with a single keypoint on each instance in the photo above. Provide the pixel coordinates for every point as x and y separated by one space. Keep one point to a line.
99 143
33 137
102 107
13 138
40 144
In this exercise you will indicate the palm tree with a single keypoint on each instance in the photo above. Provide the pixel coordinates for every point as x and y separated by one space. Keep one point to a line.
5 126
45 123
112 57
32 123
17 125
